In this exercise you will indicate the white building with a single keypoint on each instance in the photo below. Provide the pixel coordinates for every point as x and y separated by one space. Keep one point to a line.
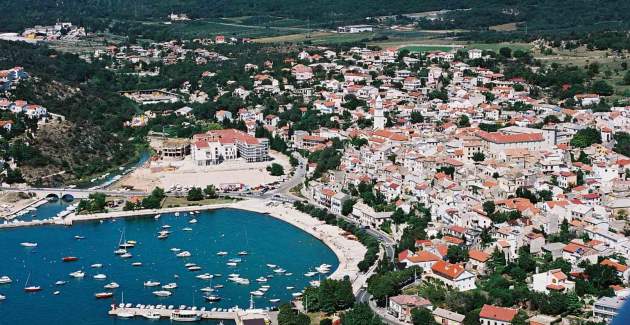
454 275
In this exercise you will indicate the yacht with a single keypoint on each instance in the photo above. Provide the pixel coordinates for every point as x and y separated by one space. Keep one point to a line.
170 286
205 276
183 254
151 284
213 298
32 288
162 293
151 315
5 279
100 276
28 244
77 274
103 295
185 316
111 285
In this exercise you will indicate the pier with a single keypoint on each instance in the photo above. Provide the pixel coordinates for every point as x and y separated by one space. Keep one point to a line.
239 316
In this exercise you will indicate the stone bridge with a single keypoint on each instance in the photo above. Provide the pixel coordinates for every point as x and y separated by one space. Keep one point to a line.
69 193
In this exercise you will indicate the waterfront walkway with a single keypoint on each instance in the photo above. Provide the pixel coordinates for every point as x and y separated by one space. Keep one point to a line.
235 314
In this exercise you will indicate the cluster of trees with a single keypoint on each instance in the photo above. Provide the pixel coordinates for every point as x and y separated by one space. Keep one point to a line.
387 284
499 216
275 169
197 194
152 201
326 159
95 202
371 243
370 196
330 296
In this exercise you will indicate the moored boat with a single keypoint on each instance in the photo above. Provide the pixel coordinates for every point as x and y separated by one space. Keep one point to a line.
162 293
151 283
28 244
103 295
5 279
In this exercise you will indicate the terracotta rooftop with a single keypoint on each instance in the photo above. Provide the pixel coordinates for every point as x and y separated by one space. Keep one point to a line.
498 313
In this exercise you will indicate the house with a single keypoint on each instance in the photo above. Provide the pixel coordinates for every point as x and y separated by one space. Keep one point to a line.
606 308
552 280
367 217
402 305
6 125
493 315
423 259
454 275
447 317
477 260
216 146
302 72
184 111
337 201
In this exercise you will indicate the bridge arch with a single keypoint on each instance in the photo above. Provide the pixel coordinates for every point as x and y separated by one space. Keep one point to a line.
52 197
67 197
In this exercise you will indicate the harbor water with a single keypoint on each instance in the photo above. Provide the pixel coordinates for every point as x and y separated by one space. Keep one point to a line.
265 239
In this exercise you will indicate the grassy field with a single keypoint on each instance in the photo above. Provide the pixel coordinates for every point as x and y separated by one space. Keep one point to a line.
429 48
171 201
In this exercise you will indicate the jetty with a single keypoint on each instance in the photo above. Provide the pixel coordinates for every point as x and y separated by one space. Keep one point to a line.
239 316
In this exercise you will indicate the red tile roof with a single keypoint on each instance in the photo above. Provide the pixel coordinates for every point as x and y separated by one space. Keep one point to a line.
498 313
447 270
498 137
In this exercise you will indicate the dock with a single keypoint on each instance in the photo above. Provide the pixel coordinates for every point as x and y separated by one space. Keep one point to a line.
239 316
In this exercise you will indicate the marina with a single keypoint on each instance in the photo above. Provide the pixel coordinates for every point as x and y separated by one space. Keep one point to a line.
98 271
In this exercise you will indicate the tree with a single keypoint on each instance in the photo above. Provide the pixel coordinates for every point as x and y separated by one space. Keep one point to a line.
422 316
463 121
456 254
210 191
489 207
275 169
478 156
626 78
288 316
195 194
416 117
361 314
347 206
622 142
586 137
505 52
601 87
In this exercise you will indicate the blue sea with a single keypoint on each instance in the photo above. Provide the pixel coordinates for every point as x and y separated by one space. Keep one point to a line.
267 240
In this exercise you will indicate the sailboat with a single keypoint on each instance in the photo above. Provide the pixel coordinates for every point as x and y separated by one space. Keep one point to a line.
120 251
28 288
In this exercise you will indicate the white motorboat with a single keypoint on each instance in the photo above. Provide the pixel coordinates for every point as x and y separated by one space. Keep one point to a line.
111 285
231 264
242 281
242 253
261 279
314 283
271 266
205 276
206 289
212 298
222 253
157 216
120 251
297 294
136 264
100 276
170 286
56 293
310 274
79 237
166 226
177 214
187 229
176 250
183 254
151 315
60 283
125 314
190 264
193 221
3 297
162 293
273 301
5 279
126 255
77 274
194 268
290 288
279 270
96 266
28 244
257 293
151 283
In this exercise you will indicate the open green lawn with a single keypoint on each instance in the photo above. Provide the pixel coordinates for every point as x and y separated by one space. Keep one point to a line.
428 48
182 201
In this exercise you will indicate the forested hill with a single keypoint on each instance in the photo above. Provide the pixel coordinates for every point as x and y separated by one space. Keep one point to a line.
542 16
91 140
